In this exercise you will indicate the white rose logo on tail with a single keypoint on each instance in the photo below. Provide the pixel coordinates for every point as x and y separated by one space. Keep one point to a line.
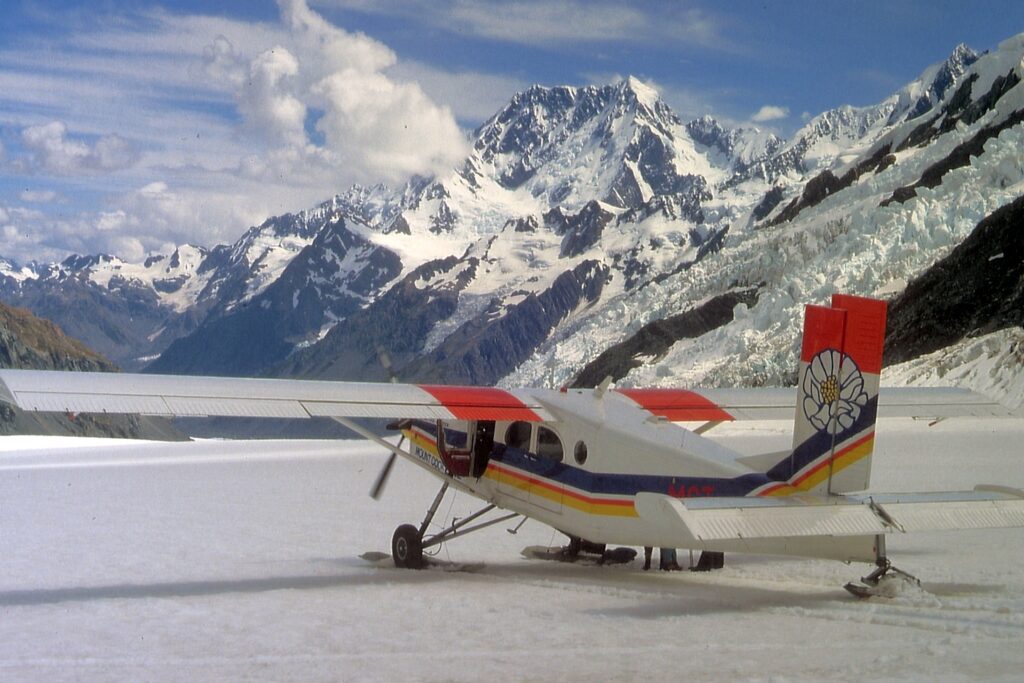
833 379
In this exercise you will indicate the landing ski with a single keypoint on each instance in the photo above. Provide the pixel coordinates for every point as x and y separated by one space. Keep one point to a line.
564 554
384 561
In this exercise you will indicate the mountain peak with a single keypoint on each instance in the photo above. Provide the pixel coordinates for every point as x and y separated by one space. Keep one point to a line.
643 92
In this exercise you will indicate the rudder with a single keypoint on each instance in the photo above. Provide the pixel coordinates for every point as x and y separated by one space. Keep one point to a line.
837 397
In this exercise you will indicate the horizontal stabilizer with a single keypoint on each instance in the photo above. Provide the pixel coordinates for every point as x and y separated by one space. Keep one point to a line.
721 519
769 403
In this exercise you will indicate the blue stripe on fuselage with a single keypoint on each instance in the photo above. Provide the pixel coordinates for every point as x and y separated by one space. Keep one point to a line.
596 483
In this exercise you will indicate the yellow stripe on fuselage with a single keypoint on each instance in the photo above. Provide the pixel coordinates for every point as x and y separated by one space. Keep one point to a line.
549 490
858 450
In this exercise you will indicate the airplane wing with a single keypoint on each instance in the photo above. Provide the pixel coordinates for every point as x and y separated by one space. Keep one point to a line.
727 519
760 403
189 396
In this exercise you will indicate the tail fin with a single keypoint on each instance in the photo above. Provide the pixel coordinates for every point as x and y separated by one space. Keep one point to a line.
837 397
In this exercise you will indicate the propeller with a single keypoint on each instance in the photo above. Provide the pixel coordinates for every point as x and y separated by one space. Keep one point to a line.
382 478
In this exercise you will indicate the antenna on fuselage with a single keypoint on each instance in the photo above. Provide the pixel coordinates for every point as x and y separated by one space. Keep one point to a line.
602 388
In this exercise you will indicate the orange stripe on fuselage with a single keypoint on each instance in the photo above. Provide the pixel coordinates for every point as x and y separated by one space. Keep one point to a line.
617 507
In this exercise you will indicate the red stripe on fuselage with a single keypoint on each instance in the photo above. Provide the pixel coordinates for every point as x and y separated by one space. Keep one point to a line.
481 403
677 405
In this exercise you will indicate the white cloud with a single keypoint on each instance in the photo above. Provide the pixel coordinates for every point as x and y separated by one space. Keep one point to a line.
52 150
220 115
770 113
39 196
266 99
372 124
390 129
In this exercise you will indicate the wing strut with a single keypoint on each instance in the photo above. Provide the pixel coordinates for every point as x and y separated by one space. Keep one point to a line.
382 478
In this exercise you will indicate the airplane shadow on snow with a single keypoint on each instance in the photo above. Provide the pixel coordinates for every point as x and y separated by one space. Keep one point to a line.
202 588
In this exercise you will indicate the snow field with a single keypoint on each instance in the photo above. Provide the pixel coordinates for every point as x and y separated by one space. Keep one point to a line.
239 561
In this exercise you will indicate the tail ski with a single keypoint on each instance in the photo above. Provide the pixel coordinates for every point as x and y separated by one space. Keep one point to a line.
837 398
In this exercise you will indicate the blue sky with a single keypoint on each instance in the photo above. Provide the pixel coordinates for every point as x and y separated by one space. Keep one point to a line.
129 127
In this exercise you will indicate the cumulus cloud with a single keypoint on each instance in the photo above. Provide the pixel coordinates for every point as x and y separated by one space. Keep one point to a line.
372 125
770 113
267 100
242 120
52 150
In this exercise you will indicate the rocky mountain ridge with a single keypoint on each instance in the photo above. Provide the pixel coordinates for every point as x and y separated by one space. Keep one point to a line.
581 215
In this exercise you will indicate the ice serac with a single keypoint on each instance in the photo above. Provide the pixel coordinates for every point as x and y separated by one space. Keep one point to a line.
824 231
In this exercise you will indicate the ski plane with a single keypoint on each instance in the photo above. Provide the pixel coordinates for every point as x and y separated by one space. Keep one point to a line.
612 466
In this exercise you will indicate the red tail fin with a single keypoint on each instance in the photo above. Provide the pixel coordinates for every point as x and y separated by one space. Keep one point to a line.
837 396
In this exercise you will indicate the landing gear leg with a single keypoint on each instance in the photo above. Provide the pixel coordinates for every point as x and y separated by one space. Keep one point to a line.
873 583
408 543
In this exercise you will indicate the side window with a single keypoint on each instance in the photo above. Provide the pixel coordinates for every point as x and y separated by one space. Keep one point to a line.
548 444
518 435
580 453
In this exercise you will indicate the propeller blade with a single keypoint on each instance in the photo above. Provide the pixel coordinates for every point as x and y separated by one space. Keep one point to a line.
382 478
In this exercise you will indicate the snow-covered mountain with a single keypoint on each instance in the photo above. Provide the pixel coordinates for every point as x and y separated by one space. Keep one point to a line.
581 216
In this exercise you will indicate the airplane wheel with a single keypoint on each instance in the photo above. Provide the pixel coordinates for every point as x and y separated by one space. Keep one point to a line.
407 547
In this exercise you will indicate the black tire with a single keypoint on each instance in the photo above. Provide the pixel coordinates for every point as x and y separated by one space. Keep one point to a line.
407 547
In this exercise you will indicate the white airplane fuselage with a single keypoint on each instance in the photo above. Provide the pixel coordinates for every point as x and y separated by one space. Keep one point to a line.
581 473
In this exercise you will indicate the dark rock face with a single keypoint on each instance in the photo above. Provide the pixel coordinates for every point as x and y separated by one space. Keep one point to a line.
584 230
480 351
496 342
961 108
333 276
28 342
977 289
656 338
527 224
396 324
772 198
443 220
